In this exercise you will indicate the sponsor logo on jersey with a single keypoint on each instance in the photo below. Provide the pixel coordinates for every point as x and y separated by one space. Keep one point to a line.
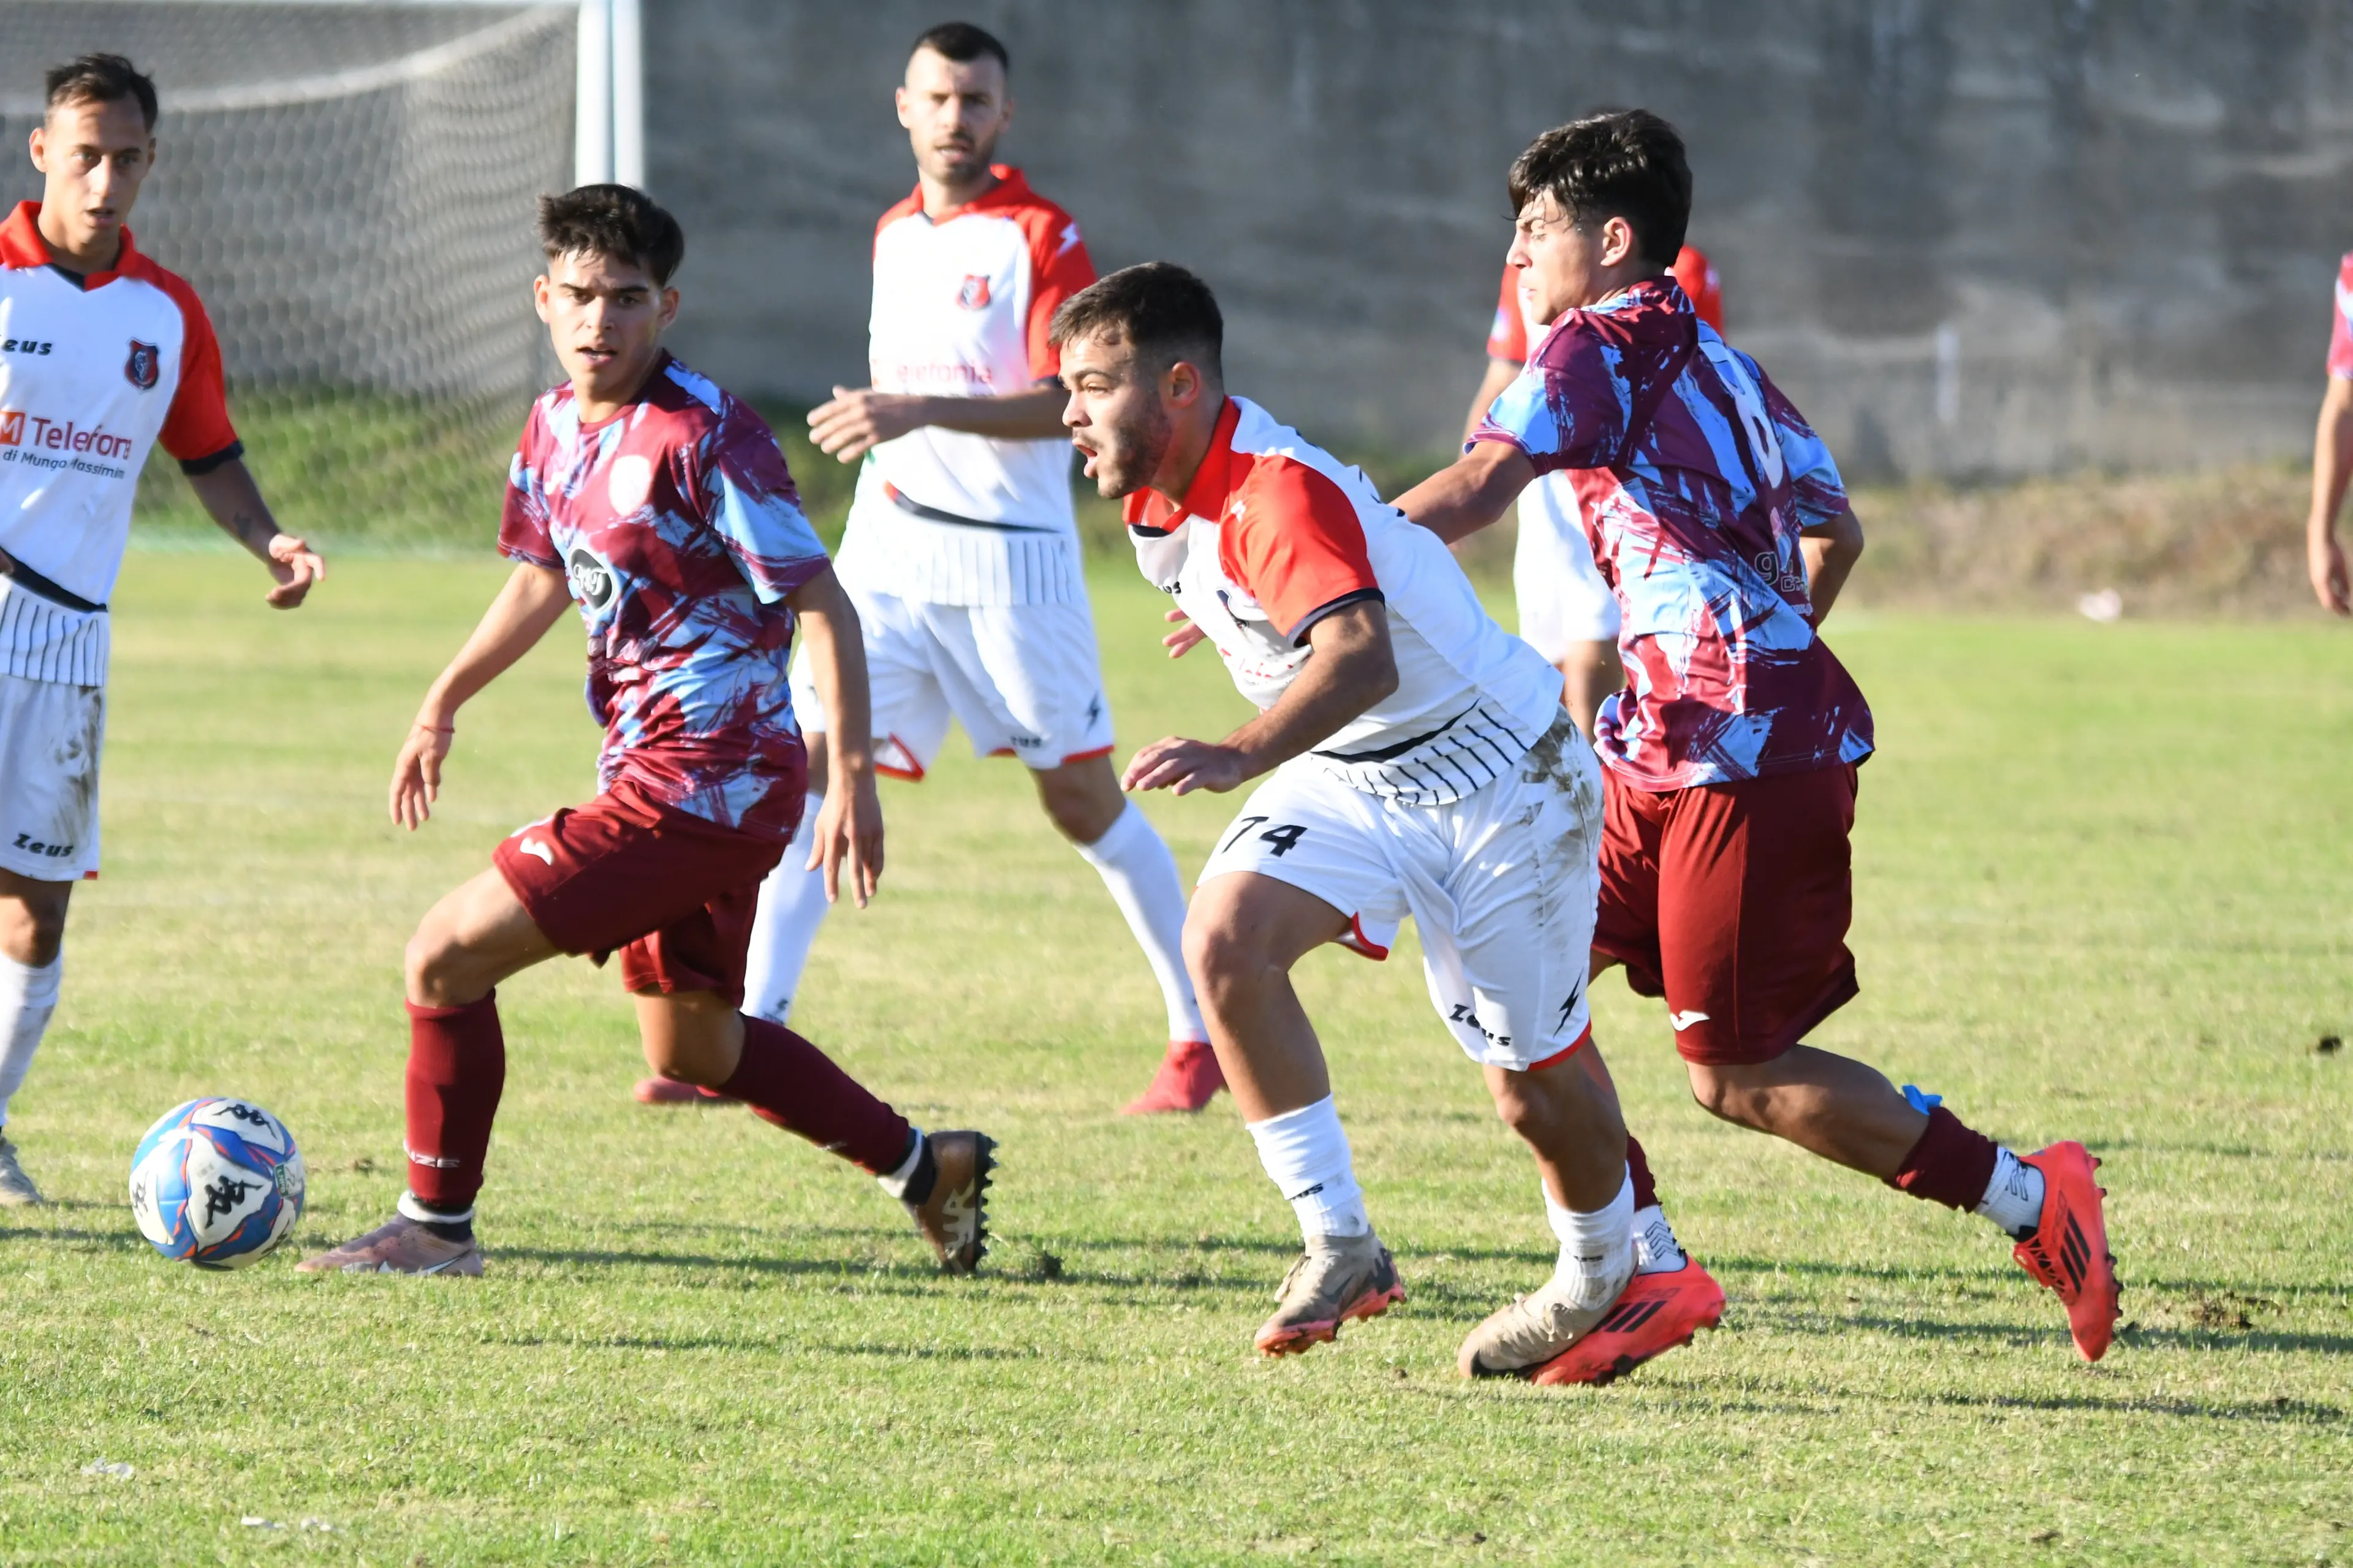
58 436
629 483
145 366
974 294
592 581
24 346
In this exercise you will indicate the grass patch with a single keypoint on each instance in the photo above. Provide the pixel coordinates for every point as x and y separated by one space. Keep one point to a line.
2101 879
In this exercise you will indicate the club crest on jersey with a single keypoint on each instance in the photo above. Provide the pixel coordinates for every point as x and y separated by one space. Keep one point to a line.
591 580
974 294
145 366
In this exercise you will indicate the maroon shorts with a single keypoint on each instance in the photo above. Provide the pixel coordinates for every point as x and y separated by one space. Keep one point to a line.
1732 901
672 892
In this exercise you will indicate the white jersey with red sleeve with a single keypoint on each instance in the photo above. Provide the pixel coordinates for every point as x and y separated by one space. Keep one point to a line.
1272 535
961 309
94 369
2341 323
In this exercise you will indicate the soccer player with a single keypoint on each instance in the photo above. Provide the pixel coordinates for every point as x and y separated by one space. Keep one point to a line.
661 507
1567 610
962 554
2332 455
1418 761
102 354
1730 761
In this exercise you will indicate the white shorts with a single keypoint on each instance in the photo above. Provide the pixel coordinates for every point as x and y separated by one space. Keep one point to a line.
50 737
1562 598
1502 885
1024 680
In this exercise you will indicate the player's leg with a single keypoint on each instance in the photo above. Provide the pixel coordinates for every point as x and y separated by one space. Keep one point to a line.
51 737
1754 907
32 937
477 935
1026 679
701 1038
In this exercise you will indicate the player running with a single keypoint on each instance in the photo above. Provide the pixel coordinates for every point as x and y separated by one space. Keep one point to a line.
102 355
1567 610
2332 455
1421 765
962 554
661 507
1719 519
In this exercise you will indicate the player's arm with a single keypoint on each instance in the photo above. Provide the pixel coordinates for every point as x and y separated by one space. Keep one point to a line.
1830 549
1500 374
859 419
1470 493
1353 668
848 831
533 599
2332 465
235 501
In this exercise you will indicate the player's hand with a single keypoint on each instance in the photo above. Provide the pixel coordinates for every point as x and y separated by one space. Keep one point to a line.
416 775
2328 577
847 841
295 566
1181 641
860 419
1176 764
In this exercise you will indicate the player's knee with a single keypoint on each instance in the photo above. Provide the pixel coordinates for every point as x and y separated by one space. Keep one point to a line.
1514 1104
1221 957
434 964
1728 1093
1082 801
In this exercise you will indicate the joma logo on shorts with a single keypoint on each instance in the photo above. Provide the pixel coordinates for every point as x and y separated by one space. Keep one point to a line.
33 845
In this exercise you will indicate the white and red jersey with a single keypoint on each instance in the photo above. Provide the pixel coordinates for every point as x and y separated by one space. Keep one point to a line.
961 309
1273 535
94 369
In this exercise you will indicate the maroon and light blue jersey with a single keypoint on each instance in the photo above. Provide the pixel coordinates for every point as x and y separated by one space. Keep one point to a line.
1694 476
677 526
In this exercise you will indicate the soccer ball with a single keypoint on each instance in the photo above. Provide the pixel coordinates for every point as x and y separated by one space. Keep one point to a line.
216 1182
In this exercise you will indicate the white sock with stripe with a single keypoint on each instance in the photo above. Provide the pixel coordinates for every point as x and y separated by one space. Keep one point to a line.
792 907
1306 1153
1136 865
27 997
2013 1199
1596 1249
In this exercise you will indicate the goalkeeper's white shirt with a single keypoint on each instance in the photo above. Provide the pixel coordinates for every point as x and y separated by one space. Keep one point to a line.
94 369
961 309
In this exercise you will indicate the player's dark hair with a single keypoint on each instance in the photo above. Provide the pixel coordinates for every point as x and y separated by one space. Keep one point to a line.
1165 312
100 78
963 43
619 221
1620 163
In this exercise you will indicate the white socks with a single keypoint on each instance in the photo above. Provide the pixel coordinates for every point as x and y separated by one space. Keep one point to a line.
2013 1199
1307 1156
1656 1250
27 997
1141 873
1596 1248
792 906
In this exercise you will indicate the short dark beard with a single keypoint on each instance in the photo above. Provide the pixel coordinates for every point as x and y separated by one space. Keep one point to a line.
1154 433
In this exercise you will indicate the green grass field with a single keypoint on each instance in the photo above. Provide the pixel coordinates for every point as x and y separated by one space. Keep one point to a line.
2105 891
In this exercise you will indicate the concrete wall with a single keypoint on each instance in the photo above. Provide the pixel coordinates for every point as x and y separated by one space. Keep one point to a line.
1973 237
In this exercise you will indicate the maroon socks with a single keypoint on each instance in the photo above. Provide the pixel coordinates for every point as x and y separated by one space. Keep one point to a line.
1952 1164
1646 1191
457 1067
787 1081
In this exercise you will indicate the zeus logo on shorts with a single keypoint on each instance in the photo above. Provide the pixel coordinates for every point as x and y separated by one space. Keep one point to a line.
32 845
591 580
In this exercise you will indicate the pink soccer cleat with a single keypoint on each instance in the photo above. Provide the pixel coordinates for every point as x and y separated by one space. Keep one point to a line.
1188 1079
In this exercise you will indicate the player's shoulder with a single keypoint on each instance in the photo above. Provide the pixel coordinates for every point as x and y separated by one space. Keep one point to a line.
137 267
1278 474
1052 230
907 206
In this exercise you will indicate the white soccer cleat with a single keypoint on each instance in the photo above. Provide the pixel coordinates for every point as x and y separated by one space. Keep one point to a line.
17 1189
1539 1327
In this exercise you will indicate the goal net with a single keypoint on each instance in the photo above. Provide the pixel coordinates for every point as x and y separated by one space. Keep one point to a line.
350 188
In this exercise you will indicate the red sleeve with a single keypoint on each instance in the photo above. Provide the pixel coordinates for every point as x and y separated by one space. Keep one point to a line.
1058 267
1293 543
2341 323
197 425
1698 278
1507 338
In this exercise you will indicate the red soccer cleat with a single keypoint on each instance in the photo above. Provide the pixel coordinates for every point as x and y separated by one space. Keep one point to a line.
659 1090
1188 1079
2068 1252
1657 1313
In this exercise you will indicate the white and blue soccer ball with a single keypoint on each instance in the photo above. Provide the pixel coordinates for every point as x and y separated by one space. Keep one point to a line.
216 1182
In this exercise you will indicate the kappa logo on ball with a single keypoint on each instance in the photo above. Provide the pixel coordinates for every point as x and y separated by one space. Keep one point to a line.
591 579
974 294
145 366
